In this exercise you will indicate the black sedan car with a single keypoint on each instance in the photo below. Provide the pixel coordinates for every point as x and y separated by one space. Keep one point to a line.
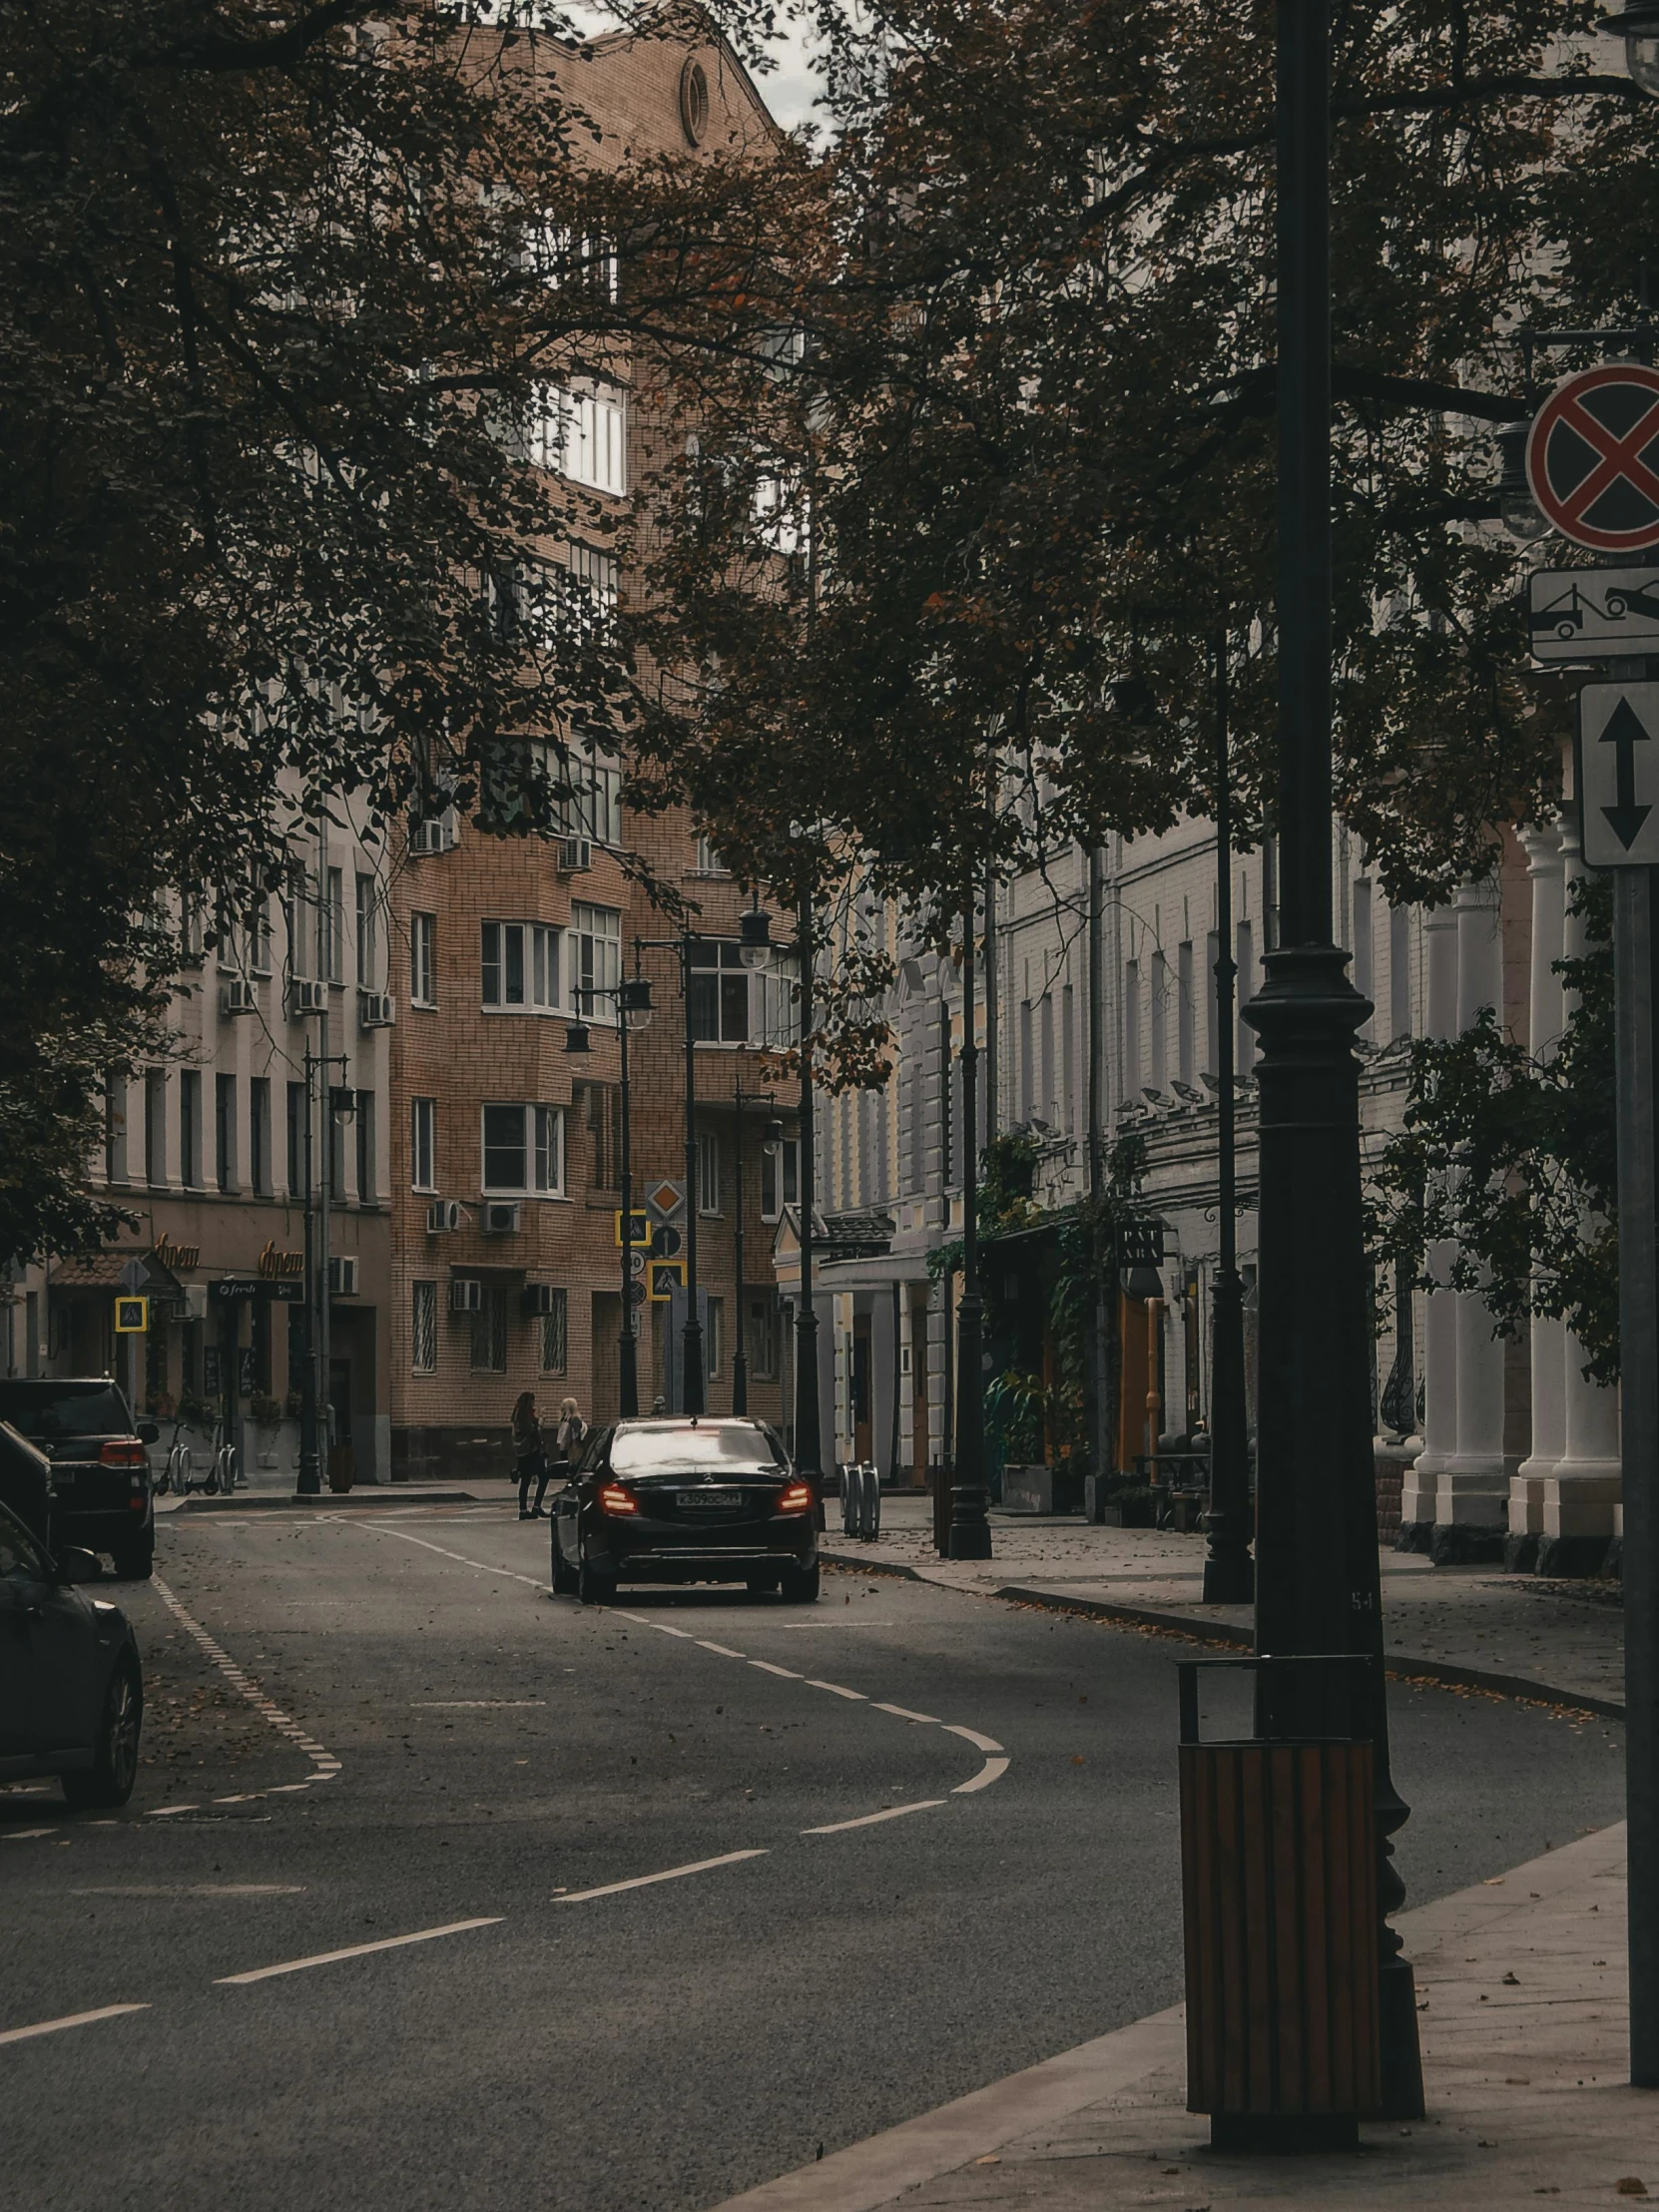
696 1500
102 1494
71 1686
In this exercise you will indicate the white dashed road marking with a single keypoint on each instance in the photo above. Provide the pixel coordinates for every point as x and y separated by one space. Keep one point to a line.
993 1770
903 1713
766 1666
25 1835
724 1650
836 1689
325 1766
356 1951
644 1881
971 1736
870 1819
70 2019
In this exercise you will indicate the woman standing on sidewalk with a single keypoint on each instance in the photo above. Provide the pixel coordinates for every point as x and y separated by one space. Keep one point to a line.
568 1438
529 1459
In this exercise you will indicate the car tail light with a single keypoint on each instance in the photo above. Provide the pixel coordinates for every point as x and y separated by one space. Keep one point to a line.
613 1498
123 1454
797 1499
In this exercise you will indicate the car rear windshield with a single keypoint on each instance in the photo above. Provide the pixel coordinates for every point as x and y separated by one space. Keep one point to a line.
676 1451
65 1408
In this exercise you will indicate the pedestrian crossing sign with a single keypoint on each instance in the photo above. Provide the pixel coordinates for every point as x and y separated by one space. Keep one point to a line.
667 1276
640 1234
131 1317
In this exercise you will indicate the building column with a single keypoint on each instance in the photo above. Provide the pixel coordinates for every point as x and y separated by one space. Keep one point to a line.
1419 1495
1474 1493
1543 845
1581 1497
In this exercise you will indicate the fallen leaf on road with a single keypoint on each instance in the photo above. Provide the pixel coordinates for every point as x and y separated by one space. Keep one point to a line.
1511 1981
991 2159
1631 2186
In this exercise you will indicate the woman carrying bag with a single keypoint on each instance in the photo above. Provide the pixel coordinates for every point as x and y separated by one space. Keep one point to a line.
529 1459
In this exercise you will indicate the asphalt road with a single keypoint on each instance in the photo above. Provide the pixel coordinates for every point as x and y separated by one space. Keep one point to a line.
452 1746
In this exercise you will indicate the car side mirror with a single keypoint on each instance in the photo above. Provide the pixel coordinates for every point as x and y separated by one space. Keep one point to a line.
77 1565
148 1432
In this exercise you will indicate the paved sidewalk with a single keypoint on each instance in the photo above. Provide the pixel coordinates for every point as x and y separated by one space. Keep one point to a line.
1521 1984
1560 1641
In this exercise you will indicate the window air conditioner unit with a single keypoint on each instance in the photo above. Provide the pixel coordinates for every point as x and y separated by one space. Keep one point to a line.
342 1275
436 835
441 1215
240 997
375 1011
500 1218
308 999
575 855
537 1297
466 1296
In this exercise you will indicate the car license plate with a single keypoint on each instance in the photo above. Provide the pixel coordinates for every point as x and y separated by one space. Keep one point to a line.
703 1500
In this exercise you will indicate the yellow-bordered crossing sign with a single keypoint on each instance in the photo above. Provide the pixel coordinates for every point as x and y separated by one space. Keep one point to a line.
131 1317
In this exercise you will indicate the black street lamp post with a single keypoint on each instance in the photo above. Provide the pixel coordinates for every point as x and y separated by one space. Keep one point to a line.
969 1536
633 1005
809 1437
1228 1572
1318 1587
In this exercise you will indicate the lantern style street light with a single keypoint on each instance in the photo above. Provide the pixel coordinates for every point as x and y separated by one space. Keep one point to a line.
633 1004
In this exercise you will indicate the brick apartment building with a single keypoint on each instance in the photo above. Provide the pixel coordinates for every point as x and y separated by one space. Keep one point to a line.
505 1149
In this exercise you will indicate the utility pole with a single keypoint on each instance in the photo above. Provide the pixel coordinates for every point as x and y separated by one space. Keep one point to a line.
1318 1586
808 1436
1228 1572
692 1383
970 1529
739 1357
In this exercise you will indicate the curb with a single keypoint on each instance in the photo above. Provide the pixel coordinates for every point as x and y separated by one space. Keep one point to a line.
1404 1666
285 1501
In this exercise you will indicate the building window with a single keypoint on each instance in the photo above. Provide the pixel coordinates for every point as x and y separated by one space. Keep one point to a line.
524 1151
779 1177
555 1336
259 935
154 1126
1400 971
594 808
1212 1004
423 1329
367 1166
719 992
520 966
297 1141
297 899
1159 1024
423 960
1132 1032
763 1339
706 860
1027 1063
595 960
1183 1011
114 1131
423 1144
707 1172
602 1120
775 1004
330 926
581 434
1244 952
225 1131
489 1331
368 933
593 577
259 1162
190 1128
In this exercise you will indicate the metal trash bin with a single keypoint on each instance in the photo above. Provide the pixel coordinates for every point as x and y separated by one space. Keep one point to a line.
862 1500
1280 1901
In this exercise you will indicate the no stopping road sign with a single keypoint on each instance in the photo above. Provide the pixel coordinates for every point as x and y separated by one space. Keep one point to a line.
1593 457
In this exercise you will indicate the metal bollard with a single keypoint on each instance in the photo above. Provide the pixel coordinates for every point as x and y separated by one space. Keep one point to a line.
872 1502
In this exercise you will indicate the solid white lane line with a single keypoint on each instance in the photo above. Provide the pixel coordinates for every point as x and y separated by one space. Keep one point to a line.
483 1565
671 1874
356 1951
246 1687
472 1703
903 1713
725 1650
836 1689
870 1819
25 1835
766 1666
971 1736
993 1770
70 2019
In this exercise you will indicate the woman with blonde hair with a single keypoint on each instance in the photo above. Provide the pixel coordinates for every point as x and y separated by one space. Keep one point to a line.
569 1437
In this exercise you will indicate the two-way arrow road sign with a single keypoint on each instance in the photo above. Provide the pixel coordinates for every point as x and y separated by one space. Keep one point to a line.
1619 773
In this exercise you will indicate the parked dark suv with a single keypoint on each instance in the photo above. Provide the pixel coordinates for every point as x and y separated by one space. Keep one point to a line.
691 1500
102 1496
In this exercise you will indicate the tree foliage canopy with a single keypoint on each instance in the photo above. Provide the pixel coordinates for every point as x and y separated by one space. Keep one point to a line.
956 546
